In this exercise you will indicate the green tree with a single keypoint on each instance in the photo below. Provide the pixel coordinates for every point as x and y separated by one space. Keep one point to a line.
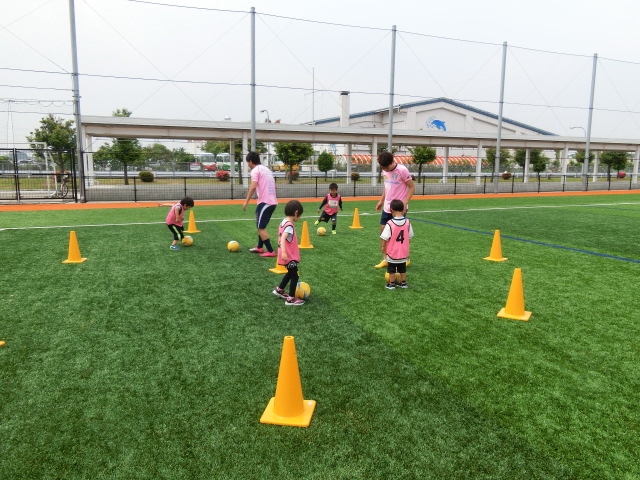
617 160
126 151
422 155
537 160
325 162
293 154
215 148
103 158
180 155
505 156
60 137
157 153
580 154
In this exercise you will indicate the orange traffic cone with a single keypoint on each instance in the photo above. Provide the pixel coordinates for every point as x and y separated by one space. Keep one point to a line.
192 224
288 406
496 249
305 242
74 250
356 220
279 268
515 302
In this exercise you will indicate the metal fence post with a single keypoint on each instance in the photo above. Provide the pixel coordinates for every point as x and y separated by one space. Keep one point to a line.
135 190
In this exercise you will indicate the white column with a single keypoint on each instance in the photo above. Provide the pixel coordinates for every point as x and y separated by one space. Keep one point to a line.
445 165
349 150
636 160
478 163
527 161
243 170
596 161
88 152
374 162
565 158
232 158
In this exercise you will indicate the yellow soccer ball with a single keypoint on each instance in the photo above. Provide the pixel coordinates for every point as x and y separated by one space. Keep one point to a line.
303 290
322 231
233 246
187 241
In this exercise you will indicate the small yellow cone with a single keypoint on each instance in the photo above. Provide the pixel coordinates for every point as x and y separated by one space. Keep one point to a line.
192 224
288 406
496 249
356 220
305 242
279 268
515 302
2 343
74 250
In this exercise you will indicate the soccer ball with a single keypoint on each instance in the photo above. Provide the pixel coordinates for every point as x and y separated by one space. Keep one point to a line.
386 277
322 231
187 241
303 290
233 246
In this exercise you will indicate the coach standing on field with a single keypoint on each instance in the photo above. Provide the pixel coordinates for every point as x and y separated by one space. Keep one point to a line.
263 183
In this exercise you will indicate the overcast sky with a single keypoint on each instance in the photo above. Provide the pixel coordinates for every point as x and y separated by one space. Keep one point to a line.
162 60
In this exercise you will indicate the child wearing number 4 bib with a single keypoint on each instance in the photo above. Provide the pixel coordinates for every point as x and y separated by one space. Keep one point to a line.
396 236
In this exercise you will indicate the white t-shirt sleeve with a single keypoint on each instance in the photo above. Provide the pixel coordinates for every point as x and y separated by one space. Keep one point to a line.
386 233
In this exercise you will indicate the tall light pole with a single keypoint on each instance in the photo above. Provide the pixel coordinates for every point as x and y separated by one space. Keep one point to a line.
268 120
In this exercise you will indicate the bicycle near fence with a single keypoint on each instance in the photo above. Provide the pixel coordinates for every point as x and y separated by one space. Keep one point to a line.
61 181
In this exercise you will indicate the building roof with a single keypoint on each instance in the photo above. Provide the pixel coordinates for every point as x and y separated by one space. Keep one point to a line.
439 100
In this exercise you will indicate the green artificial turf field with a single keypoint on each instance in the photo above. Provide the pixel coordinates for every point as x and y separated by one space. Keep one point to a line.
146 363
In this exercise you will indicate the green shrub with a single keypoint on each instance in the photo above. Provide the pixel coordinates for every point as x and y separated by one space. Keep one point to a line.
355 176
146 176
506 175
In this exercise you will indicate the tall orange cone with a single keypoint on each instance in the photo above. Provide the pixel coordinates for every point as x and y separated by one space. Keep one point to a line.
74 250
288 406
356 220
279 268
305 242
192 224
496 249
515 302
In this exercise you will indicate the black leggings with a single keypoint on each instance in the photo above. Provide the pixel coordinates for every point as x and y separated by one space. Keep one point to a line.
291 276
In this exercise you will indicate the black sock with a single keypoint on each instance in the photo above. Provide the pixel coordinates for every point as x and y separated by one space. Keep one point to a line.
267 243
259 242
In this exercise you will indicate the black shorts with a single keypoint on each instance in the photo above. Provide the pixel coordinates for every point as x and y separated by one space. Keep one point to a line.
325 217
263 215
397 267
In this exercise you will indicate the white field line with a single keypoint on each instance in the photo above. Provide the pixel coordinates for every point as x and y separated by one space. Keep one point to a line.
411 212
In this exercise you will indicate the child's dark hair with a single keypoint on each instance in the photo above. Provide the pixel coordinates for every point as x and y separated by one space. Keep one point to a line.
333 186
385 159
396 205
253 157
187 202
292 207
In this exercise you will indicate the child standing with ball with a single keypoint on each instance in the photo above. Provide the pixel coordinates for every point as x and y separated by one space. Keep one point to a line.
175 217
331 202
289 253
395 237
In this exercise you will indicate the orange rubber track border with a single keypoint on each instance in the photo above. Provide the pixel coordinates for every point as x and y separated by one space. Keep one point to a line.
25 207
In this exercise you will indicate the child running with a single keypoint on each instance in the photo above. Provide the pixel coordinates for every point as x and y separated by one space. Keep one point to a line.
331 202
289 253
175 218
396 236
